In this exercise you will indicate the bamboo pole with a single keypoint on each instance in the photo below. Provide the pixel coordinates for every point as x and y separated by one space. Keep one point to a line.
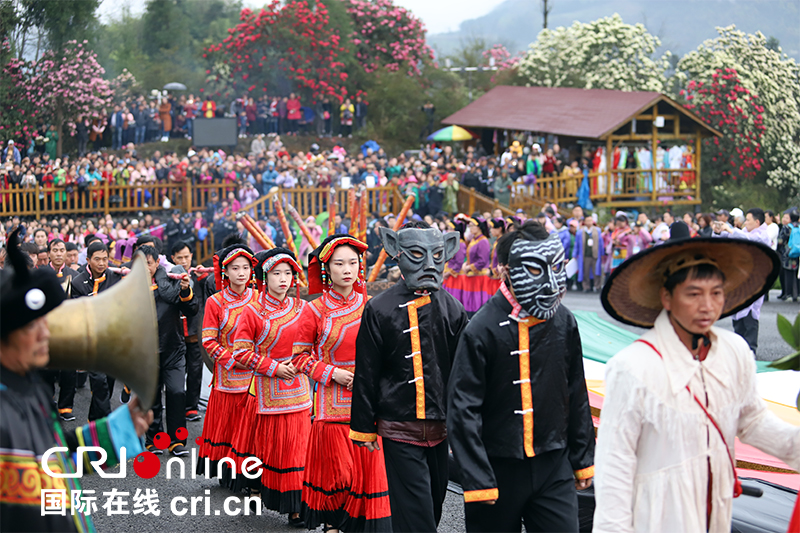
362 226
398 223
353 203
288 234
303 228
332 212
257 233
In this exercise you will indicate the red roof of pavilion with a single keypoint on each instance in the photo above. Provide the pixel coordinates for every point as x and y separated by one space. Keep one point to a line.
587 113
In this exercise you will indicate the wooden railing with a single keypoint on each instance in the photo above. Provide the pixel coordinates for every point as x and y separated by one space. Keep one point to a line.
204 250
107 198
470 201
622 187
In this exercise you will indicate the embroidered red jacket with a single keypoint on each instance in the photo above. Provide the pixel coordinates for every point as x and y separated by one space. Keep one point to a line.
326 340
223 314
263 340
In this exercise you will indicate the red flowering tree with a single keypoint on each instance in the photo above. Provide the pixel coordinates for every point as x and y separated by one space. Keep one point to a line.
66 85
732 109
279 49
388 36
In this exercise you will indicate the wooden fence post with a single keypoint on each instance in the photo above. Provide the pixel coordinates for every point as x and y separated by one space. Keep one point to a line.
187 195
106 197
471 201
36 201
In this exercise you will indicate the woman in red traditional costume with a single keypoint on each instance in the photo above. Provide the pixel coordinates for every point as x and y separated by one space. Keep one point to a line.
344 485
276 419
233 272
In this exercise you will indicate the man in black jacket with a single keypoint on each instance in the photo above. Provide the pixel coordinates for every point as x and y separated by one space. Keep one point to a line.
96 279
82 130
518 410
67 379
182 257
176 230
404 353
173 299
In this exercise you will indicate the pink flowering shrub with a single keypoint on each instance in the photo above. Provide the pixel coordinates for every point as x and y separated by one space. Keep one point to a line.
59 88
388 36
18 115
503 59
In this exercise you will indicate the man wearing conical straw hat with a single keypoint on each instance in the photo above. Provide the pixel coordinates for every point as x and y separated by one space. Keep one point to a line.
678 397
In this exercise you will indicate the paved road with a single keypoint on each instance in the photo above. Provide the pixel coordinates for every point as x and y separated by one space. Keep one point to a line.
206 490
453 520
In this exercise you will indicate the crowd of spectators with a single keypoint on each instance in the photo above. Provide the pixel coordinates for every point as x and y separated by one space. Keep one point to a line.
161 116
433 174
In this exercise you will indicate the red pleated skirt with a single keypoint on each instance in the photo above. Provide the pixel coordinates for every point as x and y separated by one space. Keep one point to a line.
222 416
344 484
280 442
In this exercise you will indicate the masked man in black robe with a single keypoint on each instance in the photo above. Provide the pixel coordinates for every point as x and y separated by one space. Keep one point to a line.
518 409
29 424
404 354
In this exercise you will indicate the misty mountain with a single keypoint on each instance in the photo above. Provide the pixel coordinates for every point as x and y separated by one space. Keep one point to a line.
680 24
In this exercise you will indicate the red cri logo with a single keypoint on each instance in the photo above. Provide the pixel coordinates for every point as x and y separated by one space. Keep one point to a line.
147 464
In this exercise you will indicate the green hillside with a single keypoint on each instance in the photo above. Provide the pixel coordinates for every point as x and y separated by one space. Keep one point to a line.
680 24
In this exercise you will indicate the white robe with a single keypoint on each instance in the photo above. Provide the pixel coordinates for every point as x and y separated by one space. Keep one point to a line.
654 441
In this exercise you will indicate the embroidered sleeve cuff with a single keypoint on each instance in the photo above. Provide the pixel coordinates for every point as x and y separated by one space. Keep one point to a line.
267 367
188 298
327 375
483 495
230 363
584 473
363 437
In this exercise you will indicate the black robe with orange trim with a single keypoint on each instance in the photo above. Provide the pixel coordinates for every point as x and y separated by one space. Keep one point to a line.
403 363
85 285
493 389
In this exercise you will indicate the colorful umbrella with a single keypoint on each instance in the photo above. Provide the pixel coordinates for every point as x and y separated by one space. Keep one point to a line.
452 133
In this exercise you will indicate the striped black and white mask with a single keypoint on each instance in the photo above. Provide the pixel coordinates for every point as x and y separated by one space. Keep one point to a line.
537 273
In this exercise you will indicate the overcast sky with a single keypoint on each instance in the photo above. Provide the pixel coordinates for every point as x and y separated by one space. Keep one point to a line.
438 15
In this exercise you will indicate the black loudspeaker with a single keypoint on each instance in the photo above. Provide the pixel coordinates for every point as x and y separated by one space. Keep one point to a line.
215 132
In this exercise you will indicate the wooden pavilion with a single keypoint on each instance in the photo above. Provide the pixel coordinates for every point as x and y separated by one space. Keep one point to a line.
643 148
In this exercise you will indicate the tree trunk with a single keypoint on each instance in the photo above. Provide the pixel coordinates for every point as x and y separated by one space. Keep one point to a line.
38 46
546 8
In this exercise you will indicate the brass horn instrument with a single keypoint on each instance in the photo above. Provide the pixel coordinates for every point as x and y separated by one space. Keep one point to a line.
115 332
